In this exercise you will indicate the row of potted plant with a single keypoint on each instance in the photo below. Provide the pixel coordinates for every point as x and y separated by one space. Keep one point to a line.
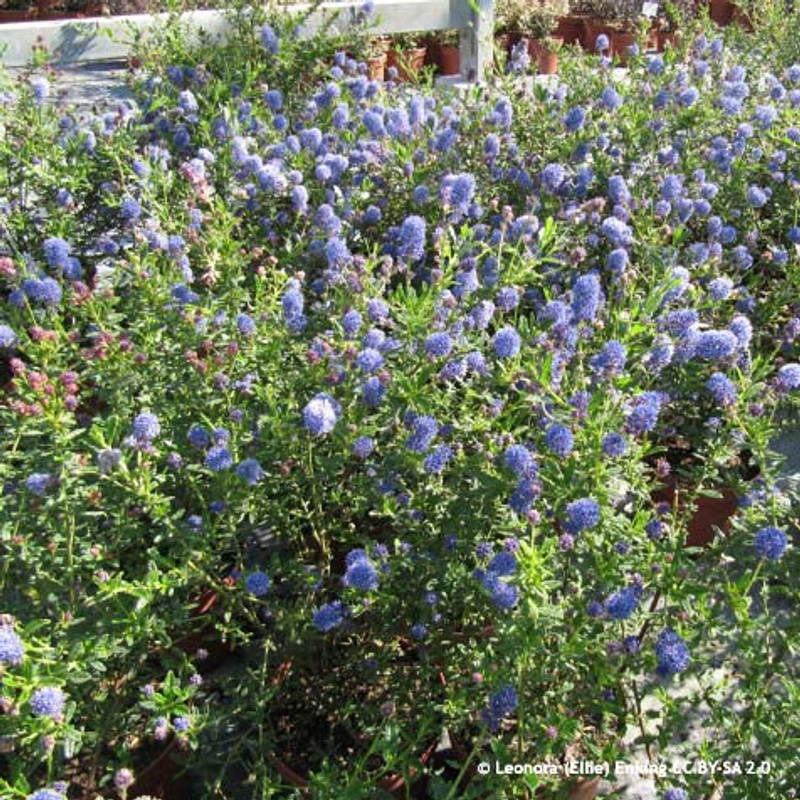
407 54
550 24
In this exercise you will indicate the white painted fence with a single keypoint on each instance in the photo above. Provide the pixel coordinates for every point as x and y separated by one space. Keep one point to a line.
110 38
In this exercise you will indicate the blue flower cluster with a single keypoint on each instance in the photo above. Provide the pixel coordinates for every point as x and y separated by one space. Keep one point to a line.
502 704
48 702
361 573
329 616
770 543
502 593
321 414
12 649
672 653
257 583
622 603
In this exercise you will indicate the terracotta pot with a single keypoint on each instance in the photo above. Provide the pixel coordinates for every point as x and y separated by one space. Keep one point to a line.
546 59
570 29
408 63
448 59
590 34
376 68
94 10
708 513
45 16
547 63
619 40
21 15
668 39
722 11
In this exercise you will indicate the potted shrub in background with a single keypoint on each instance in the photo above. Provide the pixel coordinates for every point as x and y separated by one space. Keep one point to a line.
443 52
615 19
376 57
673 19
373 51
509 16
570 24
542 24
407 55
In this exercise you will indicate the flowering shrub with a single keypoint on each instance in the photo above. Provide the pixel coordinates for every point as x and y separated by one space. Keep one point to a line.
373 388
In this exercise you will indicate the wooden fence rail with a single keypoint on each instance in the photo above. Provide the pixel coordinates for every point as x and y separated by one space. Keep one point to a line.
109 38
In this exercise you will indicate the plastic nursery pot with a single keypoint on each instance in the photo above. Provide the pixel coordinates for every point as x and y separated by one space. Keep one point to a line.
570 29
619 39
546 59
376 68
722 11
708 514
667 39
448 59
20 15
408 63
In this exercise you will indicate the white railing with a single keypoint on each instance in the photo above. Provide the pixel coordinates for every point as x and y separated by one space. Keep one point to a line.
110 38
